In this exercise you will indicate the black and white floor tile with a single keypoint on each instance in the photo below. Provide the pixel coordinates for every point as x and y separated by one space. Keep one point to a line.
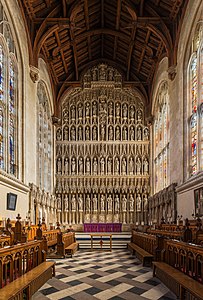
103 275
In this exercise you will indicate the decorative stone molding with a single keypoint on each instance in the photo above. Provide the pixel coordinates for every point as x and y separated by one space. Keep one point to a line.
9 180
34 73
172 71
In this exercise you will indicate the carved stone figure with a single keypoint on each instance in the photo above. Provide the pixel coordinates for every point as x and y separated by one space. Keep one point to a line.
59 165
124 203
94 133
87 204
80 109
118 110
94 108
87 133
139 133
66 202
139 116
110 74
117 165
58 135
132 112
124 164
87 110
94 74
95 166
110 108
132 133
72 133
117 204
110 133
117 133
73 112
131 166
58 202
80 133
102 203
125 134
146 134
94 202
125 110
66 165
80 203
102 131
146 166
73 203
65 133
109 203
102 165
139 165
131 203
80 166
139 202
88 166
145 202
109 165
73 166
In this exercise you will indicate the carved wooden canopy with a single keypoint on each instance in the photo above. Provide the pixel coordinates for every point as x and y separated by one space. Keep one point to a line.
131 35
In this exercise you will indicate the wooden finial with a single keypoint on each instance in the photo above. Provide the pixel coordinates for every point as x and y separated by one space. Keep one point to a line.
18 217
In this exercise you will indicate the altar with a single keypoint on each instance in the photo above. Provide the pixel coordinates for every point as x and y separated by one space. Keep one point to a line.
102 227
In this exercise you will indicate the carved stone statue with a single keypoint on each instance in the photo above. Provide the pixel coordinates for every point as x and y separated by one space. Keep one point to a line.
66 169
110 108
94 133
124 164
139 116
94 202
58 135
132 112
117 204
131 203
88 166
59 165
80 133
80 166
117 133
125 110
102 166
146 134
72 133
125 134
102 203
131 166
73 112
139 202
95 166
145 202
117 165
139 133
118 110
146 166
73 166
94 108
109 165
80 203
58 202
139 165
109 203
87 133
65 133
66 202
73 203
110 133
132 133
87 110
110 74
124 203
102 132
80 109
87 204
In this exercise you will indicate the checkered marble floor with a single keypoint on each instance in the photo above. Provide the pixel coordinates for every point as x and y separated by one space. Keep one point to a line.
103 275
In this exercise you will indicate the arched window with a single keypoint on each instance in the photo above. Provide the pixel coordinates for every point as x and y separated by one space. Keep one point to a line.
161 134
195 80
45 138
8 98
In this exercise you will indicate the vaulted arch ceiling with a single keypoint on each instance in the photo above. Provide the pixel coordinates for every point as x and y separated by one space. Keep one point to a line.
131 34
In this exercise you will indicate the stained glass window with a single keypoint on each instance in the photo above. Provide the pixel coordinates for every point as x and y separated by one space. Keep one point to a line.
12 117
161 134
1 139
2 75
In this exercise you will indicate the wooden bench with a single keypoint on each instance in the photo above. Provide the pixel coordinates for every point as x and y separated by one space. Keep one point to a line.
183 286
145 257
26 285
71 249
66 244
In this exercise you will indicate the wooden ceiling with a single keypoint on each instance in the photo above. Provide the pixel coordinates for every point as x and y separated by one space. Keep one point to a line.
132 35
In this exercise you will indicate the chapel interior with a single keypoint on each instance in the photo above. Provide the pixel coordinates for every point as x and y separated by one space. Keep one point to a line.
101 149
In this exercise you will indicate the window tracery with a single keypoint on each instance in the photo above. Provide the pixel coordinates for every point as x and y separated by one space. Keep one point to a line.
195 83
161 134
8 98
45 138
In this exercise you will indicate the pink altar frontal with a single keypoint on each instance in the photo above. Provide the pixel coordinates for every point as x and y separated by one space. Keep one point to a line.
102 227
